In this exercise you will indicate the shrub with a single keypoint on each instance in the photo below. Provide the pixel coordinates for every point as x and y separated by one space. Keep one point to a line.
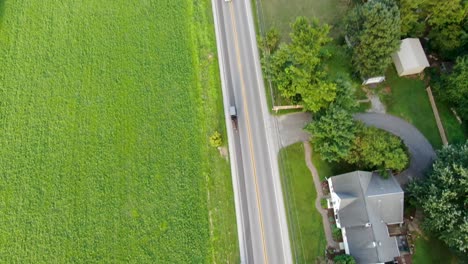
216 140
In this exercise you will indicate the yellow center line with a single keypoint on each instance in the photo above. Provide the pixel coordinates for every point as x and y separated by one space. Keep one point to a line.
246 108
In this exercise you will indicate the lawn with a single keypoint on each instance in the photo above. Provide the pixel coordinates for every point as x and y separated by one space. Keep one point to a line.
327 169
455 131
105 112
338 66
432 251
280 13
305 223
408 99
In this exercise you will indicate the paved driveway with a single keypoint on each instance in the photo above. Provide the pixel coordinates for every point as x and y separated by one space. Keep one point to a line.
291 128
421 151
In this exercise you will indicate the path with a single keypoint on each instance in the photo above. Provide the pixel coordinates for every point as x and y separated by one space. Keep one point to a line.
291 128
376 104
326 224
421 152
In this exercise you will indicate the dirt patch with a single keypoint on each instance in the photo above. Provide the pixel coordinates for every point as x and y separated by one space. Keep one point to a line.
387 90
223 151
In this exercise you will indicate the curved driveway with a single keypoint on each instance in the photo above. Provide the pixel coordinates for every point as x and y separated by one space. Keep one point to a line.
421 151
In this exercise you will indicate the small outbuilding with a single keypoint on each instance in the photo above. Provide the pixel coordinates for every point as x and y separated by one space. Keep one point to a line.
410 59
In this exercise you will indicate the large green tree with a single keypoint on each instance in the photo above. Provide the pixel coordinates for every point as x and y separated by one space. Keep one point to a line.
333 134
334 129
443 196
455 88
445 22
345 94
446 19
412 17
297 70
374 31
373 148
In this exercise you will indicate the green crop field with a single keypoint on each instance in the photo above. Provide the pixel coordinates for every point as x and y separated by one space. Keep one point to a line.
105 112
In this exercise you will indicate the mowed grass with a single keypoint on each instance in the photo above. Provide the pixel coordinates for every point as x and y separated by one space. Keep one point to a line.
432 250
305 223
280 13
328 169
455 132
408 99
105 112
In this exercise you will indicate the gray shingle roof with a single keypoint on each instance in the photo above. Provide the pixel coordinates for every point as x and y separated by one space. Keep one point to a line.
366 198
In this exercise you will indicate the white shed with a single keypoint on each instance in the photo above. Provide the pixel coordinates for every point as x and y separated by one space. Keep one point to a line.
410 59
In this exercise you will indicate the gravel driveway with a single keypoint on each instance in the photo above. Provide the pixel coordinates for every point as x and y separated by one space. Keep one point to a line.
421 151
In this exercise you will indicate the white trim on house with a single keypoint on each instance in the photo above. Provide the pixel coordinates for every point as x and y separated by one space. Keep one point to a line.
345 240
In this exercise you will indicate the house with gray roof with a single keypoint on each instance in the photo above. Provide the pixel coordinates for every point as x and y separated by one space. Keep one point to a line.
364 205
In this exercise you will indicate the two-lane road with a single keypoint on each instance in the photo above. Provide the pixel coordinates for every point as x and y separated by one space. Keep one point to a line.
261 219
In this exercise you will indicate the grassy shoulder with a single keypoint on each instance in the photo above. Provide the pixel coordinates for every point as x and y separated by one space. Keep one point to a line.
104 134
305 223
222 216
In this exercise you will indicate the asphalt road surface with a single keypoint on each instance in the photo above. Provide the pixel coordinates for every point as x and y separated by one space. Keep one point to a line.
253 146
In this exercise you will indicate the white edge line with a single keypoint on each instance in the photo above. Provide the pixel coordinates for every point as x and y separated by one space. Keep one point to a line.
231 145
267 116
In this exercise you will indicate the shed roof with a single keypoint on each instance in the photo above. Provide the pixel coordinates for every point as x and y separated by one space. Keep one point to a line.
410 58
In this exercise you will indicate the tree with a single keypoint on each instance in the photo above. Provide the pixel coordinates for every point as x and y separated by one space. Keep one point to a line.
271 41
446 20
296 68
374 31
445 12
456 89
344 259
345 95
412 17
333 134
443 197
376 149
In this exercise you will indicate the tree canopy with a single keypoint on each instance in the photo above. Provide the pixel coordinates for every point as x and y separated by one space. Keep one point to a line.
374 31
455 88
271 41
334 129
333 134
412 21
443 196
377 149
337 137
296 68
445 22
